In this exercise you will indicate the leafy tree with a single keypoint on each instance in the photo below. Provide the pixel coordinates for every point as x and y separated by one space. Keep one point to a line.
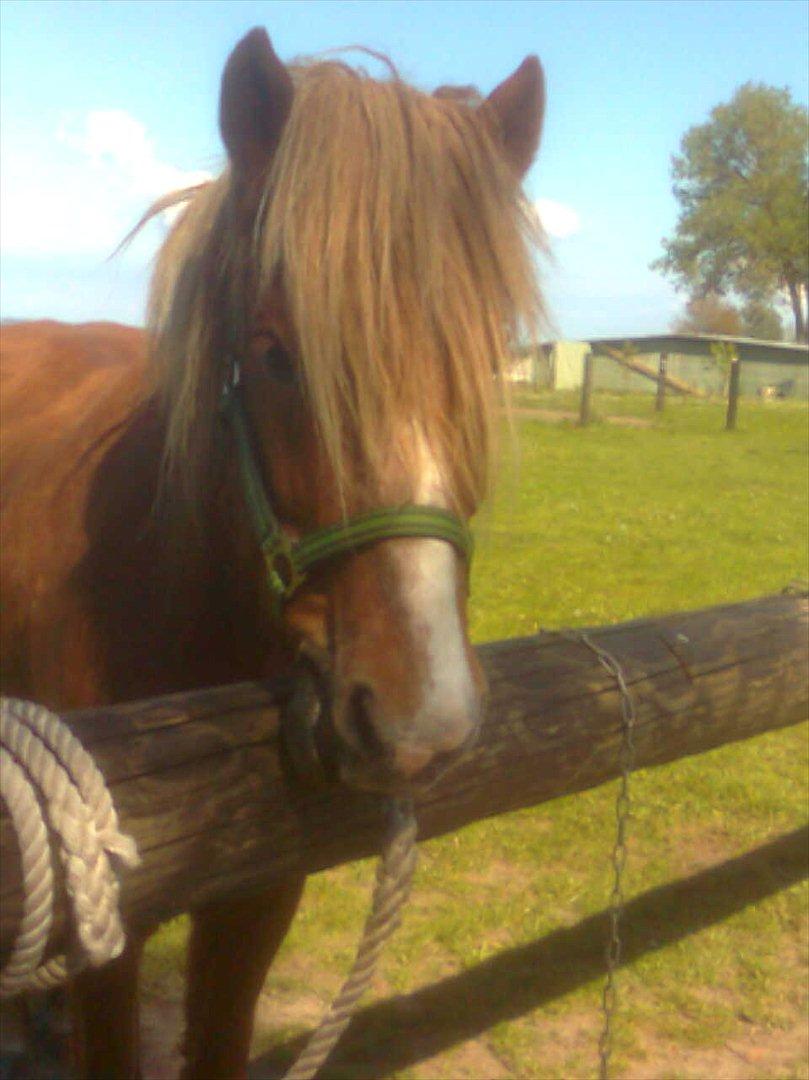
742 183
709 314
714 314
762 321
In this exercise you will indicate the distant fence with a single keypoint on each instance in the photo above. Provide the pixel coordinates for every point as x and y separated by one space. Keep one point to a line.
769 370
663 381
758 378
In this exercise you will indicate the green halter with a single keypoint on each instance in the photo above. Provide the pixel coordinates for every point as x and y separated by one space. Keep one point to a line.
287 561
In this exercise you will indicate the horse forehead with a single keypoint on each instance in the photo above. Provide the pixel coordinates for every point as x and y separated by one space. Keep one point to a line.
410 460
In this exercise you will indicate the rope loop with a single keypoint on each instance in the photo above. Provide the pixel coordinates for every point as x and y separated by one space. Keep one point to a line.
47 779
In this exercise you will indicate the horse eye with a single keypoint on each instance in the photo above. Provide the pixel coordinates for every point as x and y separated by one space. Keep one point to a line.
279 365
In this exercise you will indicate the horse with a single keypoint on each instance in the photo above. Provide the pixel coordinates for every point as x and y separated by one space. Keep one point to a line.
354 278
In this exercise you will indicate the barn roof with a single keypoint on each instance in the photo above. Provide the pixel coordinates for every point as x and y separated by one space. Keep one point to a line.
781 352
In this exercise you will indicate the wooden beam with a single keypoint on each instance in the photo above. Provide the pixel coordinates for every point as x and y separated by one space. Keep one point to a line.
201 781
634 364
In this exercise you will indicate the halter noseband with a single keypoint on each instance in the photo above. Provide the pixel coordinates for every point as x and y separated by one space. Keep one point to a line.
288 561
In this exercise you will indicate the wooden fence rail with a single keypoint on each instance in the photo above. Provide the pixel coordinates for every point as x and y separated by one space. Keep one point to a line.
201 783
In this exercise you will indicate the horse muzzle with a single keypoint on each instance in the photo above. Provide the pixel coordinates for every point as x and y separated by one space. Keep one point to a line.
343 736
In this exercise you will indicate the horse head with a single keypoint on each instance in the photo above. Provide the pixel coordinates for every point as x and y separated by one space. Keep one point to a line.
360 270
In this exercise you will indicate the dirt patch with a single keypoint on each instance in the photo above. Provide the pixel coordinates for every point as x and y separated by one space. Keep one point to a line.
469 1061
699 848
566 1044
753 1052
497 871
560 415
273 1012
161 1026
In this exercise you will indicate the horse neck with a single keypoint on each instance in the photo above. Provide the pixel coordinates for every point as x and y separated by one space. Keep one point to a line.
239 591
174 605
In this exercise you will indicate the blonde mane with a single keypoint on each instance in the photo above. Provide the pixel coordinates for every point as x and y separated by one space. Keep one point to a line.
405 252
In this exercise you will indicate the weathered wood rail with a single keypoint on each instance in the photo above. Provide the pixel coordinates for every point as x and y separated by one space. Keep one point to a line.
200 781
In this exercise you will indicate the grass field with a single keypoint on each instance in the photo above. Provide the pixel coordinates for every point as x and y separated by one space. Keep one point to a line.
497 970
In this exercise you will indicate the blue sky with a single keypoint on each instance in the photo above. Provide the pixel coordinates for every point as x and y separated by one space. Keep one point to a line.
106 105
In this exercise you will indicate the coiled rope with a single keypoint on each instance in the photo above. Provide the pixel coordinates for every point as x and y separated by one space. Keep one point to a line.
47 778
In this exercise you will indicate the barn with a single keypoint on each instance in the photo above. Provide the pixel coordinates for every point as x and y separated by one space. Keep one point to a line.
768 368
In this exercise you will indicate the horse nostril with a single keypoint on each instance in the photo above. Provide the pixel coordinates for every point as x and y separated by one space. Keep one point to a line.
384 749
360 722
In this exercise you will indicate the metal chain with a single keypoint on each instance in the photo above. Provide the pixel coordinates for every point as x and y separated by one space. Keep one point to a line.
618 857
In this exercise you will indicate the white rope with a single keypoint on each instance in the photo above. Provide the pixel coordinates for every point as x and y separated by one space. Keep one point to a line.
394 877
42 764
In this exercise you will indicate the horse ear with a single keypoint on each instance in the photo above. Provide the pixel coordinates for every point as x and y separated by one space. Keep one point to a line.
254 102
518 104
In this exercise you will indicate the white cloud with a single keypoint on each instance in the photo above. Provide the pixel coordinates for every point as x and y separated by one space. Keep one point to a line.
80 192
558 219
114 139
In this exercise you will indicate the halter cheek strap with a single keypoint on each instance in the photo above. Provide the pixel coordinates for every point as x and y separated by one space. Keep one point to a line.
289 561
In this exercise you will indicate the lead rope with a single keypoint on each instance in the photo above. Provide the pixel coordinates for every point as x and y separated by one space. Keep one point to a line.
394 877
618 856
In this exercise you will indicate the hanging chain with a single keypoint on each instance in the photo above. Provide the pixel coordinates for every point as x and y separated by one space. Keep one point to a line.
609 994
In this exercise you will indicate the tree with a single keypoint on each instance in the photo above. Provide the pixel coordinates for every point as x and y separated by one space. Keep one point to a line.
742 183
712 314
761 320
709 314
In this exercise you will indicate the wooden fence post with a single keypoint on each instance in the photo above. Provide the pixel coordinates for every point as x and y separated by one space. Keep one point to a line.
733 394
202 782
586 390
660 400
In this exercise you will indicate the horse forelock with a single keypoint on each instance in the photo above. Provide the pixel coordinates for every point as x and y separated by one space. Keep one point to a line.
405 253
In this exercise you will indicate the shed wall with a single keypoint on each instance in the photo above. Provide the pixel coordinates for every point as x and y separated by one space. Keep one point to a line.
561 367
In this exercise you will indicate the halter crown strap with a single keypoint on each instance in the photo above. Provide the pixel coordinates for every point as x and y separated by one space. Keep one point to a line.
288 561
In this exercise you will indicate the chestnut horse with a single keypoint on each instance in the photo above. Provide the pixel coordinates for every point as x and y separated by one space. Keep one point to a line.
364 263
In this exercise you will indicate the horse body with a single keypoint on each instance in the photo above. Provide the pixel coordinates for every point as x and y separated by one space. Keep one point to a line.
97 606
360 267
63 388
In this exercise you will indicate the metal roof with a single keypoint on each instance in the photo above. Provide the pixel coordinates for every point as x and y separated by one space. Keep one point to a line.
700 345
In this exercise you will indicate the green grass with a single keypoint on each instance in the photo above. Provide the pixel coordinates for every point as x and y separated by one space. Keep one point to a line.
595 526
606 523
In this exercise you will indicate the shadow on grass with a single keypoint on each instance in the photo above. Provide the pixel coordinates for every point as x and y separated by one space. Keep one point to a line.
401 1031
